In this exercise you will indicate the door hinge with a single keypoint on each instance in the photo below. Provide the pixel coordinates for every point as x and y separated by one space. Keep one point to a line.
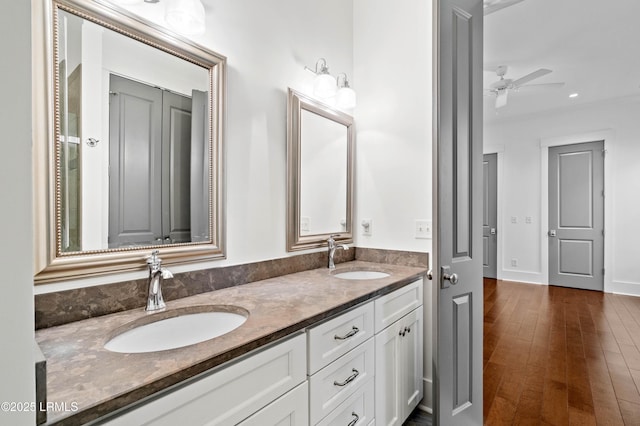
602 271
603 232
604 152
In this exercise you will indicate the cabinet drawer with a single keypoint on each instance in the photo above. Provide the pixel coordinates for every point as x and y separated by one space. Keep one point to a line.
291 409
332 385
358 408
230 394
334 338
393 306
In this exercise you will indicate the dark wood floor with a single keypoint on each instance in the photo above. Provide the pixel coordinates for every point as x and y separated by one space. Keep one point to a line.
560 356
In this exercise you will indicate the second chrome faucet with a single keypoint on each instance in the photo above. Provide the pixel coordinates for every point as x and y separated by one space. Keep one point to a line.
332 246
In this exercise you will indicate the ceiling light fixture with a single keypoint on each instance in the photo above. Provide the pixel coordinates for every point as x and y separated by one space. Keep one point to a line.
574 95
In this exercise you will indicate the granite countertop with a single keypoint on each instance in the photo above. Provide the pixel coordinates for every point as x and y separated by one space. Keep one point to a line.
93 382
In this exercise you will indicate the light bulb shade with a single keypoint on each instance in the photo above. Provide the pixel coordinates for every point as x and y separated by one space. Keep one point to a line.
324 86
185 16
346 98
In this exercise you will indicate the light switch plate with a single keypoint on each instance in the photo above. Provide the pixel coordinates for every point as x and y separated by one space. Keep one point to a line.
423 229
367 225
305 224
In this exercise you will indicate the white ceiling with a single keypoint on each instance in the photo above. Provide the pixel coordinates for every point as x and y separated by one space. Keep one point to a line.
591 45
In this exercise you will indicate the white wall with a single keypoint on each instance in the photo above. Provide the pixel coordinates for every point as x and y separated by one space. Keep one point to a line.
16 301
393 79
521 194
392 47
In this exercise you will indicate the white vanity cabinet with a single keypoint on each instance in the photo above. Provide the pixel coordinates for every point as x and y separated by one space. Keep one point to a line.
233 393
341 369
399 354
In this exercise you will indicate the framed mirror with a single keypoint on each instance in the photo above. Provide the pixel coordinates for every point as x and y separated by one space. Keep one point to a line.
320 163
133 148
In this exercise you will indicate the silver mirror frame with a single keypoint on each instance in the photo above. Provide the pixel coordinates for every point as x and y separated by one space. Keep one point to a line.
50 263
296 103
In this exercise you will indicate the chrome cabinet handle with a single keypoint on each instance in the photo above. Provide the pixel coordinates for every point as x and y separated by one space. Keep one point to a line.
349 379
354 421
429 274
404 331
352 333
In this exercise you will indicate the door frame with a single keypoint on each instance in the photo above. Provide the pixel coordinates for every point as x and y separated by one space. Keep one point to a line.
608 136
499 150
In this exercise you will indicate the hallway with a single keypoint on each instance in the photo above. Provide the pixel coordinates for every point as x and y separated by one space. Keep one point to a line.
560 356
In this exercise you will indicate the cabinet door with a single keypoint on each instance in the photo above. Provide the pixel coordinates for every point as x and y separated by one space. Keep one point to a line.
291 409
411 362
387 376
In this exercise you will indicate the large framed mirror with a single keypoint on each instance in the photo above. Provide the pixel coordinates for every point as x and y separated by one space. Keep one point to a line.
133 151
320 164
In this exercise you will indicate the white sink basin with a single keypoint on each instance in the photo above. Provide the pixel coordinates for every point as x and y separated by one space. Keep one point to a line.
361 275
175 332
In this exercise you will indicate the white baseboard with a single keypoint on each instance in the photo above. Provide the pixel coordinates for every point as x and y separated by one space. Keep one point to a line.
427 401
521 276
623 287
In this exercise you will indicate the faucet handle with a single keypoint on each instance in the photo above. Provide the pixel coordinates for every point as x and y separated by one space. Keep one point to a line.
154 259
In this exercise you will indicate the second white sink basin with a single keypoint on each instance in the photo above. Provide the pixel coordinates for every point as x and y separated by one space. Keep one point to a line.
361 275
175 332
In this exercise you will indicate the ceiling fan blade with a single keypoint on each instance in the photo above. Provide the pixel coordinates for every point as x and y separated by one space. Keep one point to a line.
491 6
501 98
531 76
541 86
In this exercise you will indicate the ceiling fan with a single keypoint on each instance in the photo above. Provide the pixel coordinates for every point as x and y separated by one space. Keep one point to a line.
502 87
491 6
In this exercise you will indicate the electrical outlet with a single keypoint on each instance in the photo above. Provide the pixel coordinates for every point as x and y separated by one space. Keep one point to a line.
423 229
305 224
367 224
528 220
514 219
514 262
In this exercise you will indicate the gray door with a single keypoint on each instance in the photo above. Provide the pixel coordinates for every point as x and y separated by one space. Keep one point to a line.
135 125
576 215
149 164
176 162
490 215
457 267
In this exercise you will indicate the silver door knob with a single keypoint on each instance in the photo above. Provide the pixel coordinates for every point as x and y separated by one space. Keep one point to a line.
430 275
552 233
493 231
452 278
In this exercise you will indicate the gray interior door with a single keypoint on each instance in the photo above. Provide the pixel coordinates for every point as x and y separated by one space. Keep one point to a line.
576 215
176 162
490 215
457 267
135 119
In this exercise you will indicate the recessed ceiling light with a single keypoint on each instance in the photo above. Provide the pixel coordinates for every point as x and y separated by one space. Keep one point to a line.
573 95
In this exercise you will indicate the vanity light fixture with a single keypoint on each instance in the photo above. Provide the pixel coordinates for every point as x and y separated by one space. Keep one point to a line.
346 96
186 17
324 85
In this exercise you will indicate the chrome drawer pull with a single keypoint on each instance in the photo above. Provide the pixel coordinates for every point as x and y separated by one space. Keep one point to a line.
354 421
349 379
352 333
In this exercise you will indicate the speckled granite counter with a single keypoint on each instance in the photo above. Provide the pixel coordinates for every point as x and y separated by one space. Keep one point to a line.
82 374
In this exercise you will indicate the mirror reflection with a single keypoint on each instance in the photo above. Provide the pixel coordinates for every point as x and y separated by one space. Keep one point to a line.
320 173
133 141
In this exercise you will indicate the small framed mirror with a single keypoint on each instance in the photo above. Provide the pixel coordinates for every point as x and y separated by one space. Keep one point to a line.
320 163
134 146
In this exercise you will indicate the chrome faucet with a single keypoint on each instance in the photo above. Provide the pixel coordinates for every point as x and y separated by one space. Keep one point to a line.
332 246
157 273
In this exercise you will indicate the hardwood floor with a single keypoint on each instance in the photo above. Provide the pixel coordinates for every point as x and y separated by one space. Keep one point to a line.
560 356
